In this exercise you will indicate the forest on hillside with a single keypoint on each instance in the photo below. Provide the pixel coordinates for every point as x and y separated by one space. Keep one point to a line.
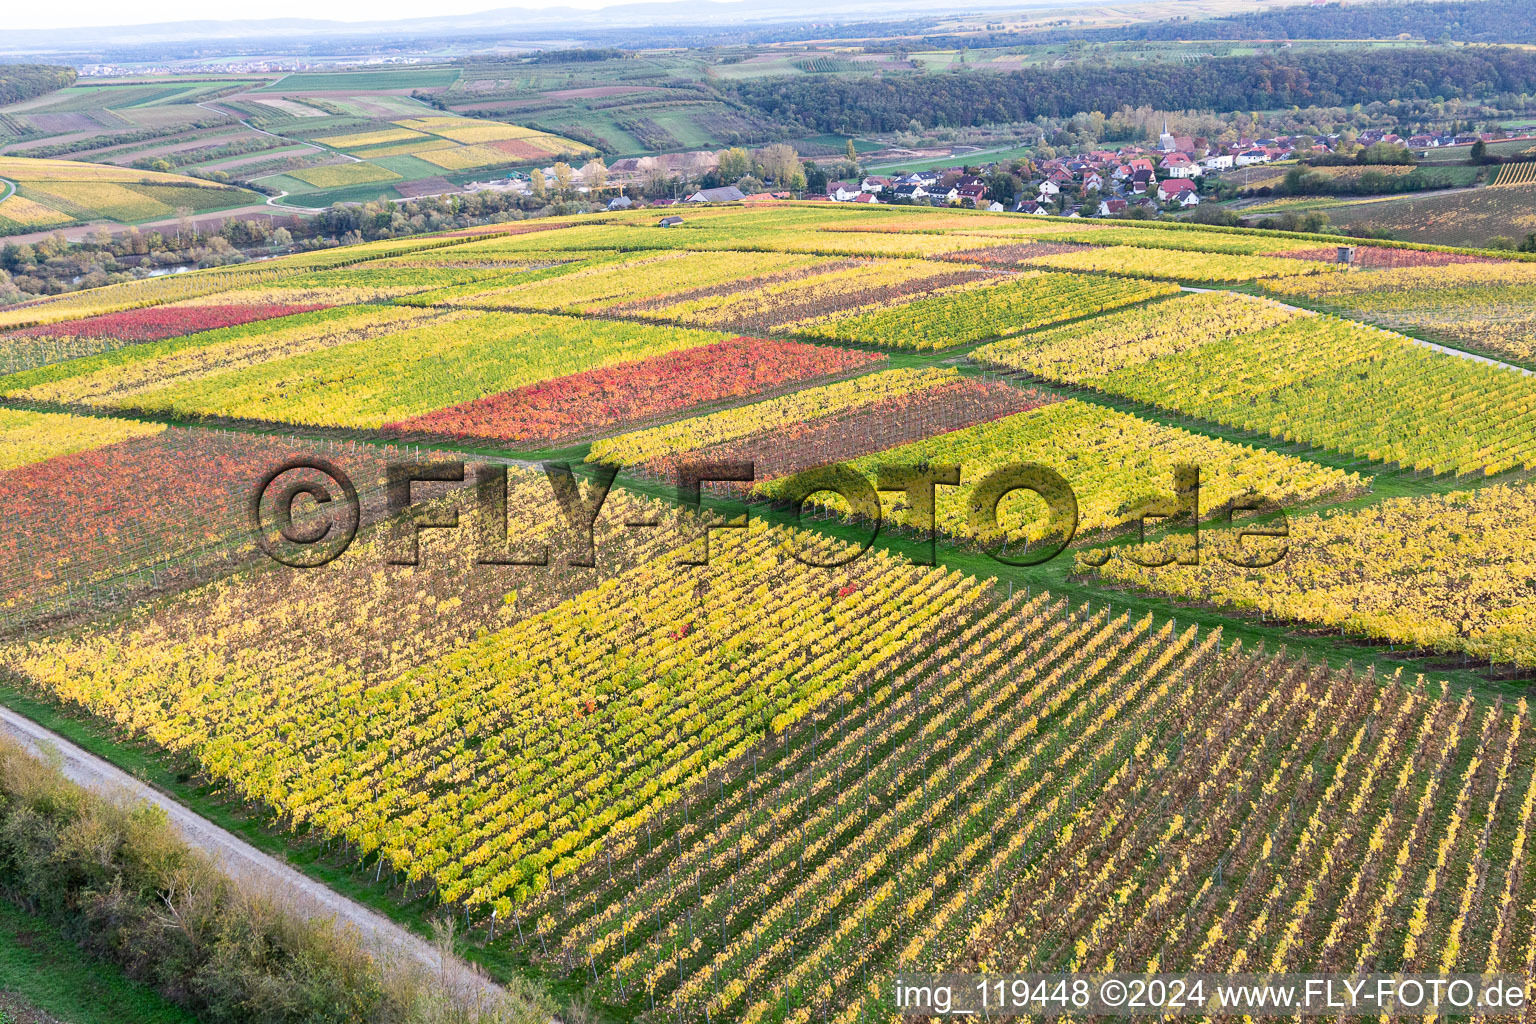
829 103
1466 21
24 81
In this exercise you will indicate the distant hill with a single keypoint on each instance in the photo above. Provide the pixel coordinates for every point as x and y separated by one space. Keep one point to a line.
56 193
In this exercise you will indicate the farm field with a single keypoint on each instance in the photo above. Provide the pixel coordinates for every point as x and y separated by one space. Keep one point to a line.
380 154
737 755
55 193
1354 572
1467 217
1297 376
322 137
1119 467
1487 308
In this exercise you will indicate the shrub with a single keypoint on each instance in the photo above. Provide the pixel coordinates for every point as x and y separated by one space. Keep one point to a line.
117 879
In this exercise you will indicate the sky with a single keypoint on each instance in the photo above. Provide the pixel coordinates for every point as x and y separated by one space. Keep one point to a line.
102 13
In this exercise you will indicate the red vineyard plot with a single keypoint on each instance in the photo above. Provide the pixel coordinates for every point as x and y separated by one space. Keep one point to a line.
148 512
585 403
72 339
153 323
872 428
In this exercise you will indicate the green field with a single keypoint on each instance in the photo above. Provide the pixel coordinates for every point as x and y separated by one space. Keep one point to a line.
308 195
365 81
44 970
984 156
107 97
408 167
1461 154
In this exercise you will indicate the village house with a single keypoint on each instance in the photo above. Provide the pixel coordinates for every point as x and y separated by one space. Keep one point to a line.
724 194
1178 190
972 194
1177 165
843 191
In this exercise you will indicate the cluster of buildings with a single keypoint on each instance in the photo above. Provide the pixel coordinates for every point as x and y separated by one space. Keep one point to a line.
1106 183
1098 183
1101 183
254 66
1443 139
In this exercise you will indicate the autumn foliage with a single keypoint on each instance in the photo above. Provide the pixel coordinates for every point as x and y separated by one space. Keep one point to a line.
155 322
121 512
583 403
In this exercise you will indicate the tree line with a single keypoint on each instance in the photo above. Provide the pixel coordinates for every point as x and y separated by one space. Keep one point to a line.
830 103
26 81
1473 21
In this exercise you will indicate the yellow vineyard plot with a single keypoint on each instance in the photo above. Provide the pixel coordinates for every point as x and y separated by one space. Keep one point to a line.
27 213
1177 265
424 144
100 197
370 138
483 131
464 157
28 437
1523 173
1382 572
21 169
1118 465
1084 352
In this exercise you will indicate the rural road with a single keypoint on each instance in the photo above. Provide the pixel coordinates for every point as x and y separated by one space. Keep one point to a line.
253 869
